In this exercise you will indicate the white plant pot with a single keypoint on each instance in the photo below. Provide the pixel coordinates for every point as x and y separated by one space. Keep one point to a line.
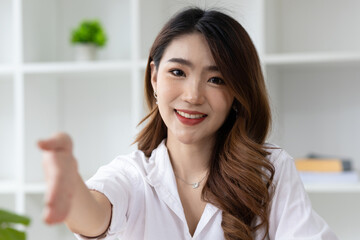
85 52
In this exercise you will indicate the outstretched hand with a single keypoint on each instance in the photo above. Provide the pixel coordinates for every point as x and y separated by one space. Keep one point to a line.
61 176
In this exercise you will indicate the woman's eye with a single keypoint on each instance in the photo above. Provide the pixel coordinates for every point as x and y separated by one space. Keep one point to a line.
178 73
216 80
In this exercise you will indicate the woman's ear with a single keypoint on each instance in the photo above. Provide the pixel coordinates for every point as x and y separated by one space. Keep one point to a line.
153 75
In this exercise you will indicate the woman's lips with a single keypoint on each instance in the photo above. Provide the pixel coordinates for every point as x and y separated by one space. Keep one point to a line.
190 117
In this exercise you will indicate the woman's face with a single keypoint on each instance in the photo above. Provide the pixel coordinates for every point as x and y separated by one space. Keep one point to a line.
192 98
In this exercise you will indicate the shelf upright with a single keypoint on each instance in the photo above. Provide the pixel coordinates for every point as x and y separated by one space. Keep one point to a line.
260 26
136 89
19 144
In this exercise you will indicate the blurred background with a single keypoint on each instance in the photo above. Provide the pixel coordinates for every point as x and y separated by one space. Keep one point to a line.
310 54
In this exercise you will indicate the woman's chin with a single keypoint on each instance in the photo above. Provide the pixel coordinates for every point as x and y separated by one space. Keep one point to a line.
190 139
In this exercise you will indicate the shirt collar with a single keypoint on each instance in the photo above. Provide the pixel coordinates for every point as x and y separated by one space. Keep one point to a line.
159 169
161 176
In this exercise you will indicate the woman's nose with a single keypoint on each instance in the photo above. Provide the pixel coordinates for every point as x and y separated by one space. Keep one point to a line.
193 93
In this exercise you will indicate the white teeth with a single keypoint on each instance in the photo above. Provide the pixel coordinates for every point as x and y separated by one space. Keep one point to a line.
191 116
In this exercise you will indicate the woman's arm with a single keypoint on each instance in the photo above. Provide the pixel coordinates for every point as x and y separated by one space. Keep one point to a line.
67 197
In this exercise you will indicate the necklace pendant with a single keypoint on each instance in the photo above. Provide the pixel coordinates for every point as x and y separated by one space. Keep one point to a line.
195 185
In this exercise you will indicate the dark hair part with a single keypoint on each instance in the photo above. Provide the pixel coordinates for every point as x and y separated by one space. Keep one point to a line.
240 179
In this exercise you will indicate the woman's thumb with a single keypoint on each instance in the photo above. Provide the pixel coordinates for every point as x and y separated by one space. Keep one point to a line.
59 141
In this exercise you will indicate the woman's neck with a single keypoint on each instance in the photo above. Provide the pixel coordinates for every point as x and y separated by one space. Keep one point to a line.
189 161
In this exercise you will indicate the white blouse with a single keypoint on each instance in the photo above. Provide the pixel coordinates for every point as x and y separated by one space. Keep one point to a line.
146 203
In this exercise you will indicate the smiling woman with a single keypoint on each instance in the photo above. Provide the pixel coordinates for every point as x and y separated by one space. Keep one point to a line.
203 169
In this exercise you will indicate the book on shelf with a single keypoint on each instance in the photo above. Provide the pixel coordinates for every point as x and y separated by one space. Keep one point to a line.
316 168
323 165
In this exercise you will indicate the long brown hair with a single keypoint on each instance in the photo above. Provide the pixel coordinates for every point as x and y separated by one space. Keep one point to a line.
240 178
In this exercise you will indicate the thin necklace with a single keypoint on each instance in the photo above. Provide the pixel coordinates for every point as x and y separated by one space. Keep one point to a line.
195 184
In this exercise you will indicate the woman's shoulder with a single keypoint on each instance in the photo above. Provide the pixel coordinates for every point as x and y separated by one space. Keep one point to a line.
277 155
136 161
136 157
131 162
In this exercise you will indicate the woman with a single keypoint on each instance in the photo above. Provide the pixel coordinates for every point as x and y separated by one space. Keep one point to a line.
202 170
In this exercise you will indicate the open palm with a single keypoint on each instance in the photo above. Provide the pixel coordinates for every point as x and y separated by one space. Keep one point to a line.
60 169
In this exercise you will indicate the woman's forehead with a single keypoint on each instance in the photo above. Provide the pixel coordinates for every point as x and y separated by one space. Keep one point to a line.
191 47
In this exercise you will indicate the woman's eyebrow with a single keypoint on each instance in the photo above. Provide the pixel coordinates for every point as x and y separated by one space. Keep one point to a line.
185 62
181 61
213 68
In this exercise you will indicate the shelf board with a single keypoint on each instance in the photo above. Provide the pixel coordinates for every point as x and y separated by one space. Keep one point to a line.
74 67
310 58
77 67
7 186
35 188
6 69
333 188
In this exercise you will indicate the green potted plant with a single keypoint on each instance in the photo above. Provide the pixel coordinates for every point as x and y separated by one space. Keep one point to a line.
8 220
87 38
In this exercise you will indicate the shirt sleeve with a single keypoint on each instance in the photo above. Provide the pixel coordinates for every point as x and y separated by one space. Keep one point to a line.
291 215
117 182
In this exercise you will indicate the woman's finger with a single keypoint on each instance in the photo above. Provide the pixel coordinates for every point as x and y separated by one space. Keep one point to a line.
60 141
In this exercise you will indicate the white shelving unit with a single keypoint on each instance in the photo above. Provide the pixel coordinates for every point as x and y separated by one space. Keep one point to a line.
310 54
311 58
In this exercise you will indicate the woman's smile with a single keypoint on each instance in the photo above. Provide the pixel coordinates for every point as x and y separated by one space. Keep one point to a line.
189 117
